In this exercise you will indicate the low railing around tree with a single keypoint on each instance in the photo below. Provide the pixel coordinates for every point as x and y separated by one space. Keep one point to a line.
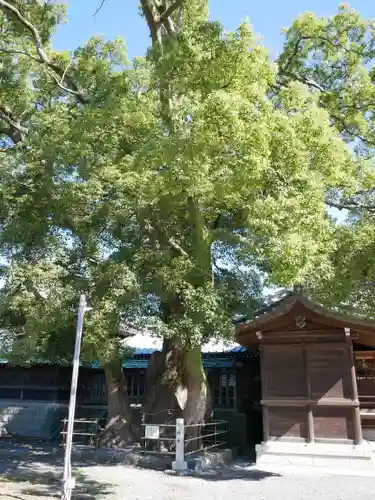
86 431
182 440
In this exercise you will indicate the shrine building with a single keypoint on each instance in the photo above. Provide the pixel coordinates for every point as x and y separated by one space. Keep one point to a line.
317 400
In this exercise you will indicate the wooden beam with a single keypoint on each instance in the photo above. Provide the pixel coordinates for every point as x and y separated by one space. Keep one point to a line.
308 336
364 354
356 411
324 402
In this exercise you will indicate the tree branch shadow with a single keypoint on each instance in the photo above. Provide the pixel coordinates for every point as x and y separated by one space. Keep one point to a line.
240 469
230 474
34 479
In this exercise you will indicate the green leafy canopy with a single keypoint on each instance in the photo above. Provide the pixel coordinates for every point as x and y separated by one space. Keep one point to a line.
162 188
334 58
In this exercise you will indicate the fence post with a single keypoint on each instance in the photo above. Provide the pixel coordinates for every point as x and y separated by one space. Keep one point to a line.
179 465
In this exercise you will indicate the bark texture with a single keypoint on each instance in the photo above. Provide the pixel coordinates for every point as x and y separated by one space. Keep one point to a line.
176 388
119 431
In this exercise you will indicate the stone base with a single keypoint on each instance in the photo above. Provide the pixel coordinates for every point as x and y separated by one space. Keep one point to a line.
179 467
330 456
368 433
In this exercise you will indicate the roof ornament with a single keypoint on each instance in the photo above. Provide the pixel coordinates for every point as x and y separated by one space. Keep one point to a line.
300 321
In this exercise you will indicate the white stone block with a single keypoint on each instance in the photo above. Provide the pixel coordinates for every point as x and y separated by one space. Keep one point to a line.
301 460
331 462
317 455
362 464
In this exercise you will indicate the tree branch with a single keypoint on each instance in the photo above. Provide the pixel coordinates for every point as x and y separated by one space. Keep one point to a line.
217 221
304 80
7 117
323 39
350 205
19 52
99 8
216 265
151 18
312 83
350 132
16 131
11 9
156 19
59 82
177 247
170 10
43 57
179 19
292 56
151 230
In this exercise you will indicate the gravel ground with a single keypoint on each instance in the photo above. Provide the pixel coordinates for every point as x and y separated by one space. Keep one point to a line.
40 480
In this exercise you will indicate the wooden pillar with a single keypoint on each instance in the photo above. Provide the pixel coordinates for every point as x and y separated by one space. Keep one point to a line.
265 416
357 426
266 423
310 426
310 416
353 376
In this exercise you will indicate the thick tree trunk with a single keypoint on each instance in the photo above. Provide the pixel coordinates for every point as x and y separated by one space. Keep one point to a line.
176 387
198 404
118 432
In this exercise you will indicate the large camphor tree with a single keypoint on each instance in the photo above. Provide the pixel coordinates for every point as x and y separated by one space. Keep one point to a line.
334 58
165 189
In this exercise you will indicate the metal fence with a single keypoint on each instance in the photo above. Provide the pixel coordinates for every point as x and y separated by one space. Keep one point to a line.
176 439
86 431
207 435
181 440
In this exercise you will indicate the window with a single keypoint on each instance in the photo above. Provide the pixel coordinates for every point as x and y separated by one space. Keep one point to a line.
95 391
365 367
222 383
136 387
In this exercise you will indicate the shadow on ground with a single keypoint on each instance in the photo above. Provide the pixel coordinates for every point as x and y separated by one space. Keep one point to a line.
229 473
244 470
36 479
33 471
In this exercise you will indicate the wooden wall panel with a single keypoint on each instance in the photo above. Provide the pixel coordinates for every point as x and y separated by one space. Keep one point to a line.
333 423
287 422
329 369
283 372
35 376
366 386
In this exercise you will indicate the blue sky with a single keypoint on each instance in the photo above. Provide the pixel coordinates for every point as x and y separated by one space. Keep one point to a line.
121 18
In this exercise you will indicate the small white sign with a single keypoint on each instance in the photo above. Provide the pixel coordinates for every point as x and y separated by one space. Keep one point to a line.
71 483
152 432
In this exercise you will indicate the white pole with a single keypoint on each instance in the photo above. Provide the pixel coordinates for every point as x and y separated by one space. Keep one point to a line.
68 481
180 465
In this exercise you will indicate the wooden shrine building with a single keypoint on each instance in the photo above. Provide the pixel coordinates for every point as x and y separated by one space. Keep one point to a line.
313 413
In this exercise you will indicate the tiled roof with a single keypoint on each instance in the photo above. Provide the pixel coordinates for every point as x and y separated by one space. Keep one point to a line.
140 358
145 343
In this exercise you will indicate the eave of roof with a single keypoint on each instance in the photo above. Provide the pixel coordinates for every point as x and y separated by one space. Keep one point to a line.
275 311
